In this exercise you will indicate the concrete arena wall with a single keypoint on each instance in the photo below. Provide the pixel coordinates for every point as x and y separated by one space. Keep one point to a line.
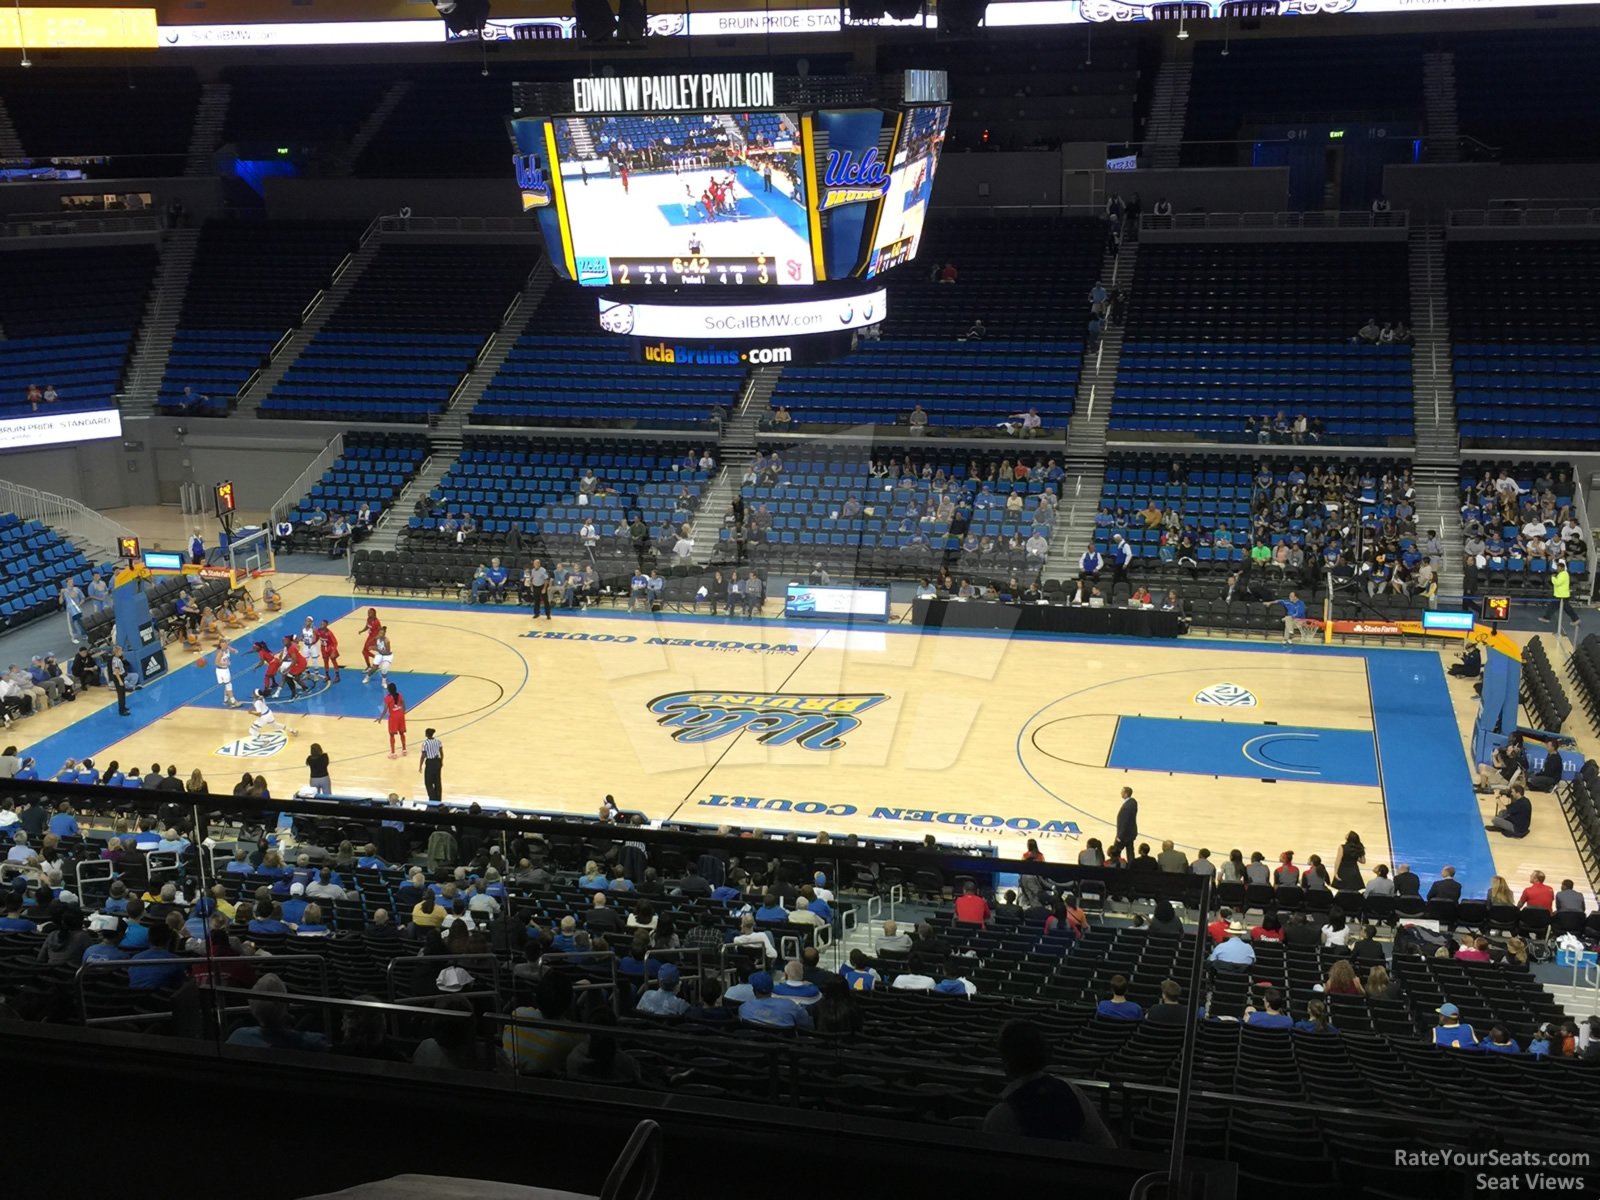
263 458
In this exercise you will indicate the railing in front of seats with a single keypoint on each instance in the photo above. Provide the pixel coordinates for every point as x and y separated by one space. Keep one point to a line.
1227 221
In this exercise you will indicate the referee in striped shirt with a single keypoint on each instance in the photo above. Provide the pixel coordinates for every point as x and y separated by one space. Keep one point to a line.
431 765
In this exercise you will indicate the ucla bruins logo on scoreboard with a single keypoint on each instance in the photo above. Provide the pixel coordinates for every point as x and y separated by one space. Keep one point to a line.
1228 695
812 722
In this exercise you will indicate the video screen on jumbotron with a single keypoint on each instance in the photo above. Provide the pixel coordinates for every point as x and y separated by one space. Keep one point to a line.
660 200
905 204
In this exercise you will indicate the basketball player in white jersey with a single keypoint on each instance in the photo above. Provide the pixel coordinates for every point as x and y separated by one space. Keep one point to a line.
310 646
264 718
382 656
224 659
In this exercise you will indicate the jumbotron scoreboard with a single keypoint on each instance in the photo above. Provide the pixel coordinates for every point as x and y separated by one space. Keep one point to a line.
728 212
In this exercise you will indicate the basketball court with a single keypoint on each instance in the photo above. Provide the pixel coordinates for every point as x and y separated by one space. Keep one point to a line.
878 730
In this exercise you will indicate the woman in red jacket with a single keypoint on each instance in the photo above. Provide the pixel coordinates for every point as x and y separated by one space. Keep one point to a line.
394 707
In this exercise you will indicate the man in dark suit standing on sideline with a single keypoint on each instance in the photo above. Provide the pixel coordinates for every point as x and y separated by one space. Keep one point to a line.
1445 887
1127 826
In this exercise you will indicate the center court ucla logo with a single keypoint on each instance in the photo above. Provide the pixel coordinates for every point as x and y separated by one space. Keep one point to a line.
1227 695
252 747
811 722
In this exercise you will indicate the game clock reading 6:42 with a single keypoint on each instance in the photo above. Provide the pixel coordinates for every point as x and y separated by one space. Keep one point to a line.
695 268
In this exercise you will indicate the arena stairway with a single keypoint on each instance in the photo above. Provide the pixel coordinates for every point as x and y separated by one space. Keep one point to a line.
344 279
735 450
1432 376
370 128
1168 108
386 533
206 136
10 143
154 342
449 427
1097 382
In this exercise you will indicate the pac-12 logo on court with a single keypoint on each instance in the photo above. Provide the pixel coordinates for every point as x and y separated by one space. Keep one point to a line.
264 746
776 718
1229 695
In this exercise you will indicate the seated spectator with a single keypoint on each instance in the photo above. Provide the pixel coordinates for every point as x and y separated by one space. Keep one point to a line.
794 986
157 948
710 1011
1170 1009
1406 881
532 1048
1367 950
1500 1042
1035 1103
1335 929
272 1030
1144 860
1257 870
1473 950
971 907
602 918
1380 884
1342 980
1165 922
893 940
1270 1015
1451 1032
757 939
1236 953
1515 818
860 975
1066 917
1270 929
768 1011
663 999
1119 1006
802 914
1446 887
1569 899
1316 1019
1538 893
1171 860
1217 930
952 982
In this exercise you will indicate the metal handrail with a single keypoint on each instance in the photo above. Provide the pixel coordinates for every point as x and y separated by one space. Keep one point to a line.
178 962
1522 218
1356 219
69 517
494 963
406 224
285 503
65 225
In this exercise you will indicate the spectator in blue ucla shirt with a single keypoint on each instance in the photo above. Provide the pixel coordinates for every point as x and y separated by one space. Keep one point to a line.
771 910
63 823
1119 1006
765 1009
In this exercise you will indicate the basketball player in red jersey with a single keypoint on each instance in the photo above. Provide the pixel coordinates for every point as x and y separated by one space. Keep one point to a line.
394 707
373 627
330 652
273 663
294 661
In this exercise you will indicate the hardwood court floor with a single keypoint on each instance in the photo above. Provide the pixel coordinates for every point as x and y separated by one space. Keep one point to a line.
880 731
